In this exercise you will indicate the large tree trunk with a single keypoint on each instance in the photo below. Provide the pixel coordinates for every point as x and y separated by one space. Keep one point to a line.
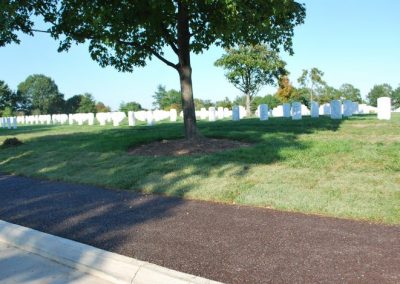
248 104
185 72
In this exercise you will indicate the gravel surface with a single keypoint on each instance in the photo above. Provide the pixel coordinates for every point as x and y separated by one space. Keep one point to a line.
229 243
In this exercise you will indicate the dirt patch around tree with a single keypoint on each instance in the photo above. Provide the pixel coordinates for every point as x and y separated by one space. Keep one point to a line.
182 147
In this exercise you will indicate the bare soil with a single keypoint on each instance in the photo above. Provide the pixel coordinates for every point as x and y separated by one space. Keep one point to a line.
183 147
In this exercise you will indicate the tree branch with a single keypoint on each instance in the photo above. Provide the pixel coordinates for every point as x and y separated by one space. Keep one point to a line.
156 54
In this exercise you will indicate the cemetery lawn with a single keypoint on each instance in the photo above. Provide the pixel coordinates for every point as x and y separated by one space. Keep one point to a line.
343 168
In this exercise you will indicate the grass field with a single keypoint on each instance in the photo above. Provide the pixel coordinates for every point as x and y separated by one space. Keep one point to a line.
348 168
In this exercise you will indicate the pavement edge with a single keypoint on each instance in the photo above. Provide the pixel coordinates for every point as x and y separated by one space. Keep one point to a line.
106 265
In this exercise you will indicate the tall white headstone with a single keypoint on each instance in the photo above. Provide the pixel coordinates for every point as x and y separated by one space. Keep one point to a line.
203 113
263 112
90 118
314 109
211 114
173 114
347 108
242 112
296 110
336 109
70 119
9 122
3 122
131 118
235 113
220 113
384 108
149 118
14 120
286 110
277 111
355 108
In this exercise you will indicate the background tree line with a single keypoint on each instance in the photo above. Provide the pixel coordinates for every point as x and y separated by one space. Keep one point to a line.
39 94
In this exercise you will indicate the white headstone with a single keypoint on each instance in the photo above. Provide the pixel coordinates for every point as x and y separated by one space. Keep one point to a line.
3 122
70 119
277 111
90 118
131 118
336 109
384 108
347 108
8 122
173 114
304 110
286 110
263 112
227 112
203 113
149 118
211 114
235 113
355 108
242 112
220 113
296 110
14 120
314 109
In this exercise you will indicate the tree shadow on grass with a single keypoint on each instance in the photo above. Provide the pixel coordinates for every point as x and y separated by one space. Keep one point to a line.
100 157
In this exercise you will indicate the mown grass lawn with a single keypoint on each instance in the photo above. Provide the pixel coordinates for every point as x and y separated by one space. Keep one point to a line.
348 168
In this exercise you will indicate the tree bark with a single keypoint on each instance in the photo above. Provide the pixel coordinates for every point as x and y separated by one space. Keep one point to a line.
248 104
185 73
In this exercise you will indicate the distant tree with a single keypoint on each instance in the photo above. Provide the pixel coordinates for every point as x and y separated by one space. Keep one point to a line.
7 111
101 107
225 103
383 90
125 34
87 104
301 95
72 104
251 67
167 100
130 106
311 80
285 90
199 103
270 100
349 92
12 101
43 92
396 98
327 93
7 99
240 101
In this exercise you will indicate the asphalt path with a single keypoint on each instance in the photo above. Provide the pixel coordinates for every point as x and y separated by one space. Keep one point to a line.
228 243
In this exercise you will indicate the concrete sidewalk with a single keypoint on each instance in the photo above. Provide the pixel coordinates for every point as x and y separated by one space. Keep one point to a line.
30 256
20 266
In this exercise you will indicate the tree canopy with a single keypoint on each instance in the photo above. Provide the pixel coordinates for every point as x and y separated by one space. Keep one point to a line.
167 100
349 92
249 68
130 106
124 34
382 90
43 92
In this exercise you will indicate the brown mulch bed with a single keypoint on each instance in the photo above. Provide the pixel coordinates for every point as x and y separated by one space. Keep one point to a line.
183 147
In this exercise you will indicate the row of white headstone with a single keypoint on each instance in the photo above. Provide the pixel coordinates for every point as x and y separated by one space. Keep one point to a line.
335 109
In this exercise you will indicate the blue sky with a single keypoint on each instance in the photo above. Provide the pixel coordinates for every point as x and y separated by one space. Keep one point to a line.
351 41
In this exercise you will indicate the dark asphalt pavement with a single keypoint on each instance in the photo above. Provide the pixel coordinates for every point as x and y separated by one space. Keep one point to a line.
232 244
